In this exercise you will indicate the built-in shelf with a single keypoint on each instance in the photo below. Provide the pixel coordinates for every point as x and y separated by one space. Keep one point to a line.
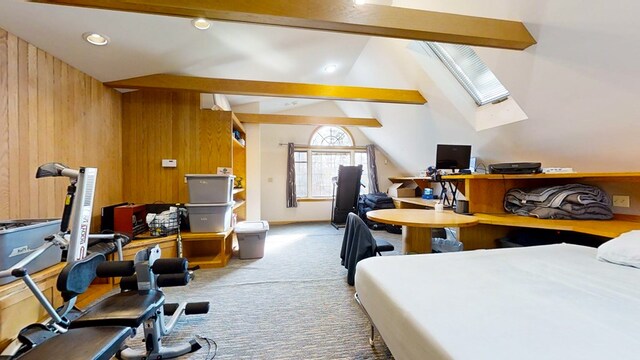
237 124
238 204
237 190
236 143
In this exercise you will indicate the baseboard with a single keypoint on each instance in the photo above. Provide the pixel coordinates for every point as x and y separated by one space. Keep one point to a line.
328 221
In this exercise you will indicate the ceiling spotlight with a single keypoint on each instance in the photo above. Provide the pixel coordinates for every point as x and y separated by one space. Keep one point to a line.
330 68
359 2
201 24
95 38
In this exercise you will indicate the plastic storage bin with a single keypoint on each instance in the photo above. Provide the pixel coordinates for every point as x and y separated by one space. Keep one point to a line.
210 189
251 236
210 217
19 237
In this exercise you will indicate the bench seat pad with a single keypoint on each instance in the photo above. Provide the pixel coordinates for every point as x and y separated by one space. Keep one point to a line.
128 308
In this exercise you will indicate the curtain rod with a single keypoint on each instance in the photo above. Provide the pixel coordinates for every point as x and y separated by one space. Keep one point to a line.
304 146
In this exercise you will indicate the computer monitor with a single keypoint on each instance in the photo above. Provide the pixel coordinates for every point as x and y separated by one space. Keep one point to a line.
452 157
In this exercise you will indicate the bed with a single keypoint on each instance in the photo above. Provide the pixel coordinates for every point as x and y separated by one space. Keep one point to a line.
544 302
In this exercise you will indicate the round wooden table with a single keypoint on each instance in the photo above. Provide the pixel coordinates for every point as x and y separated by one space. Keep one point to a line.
417 224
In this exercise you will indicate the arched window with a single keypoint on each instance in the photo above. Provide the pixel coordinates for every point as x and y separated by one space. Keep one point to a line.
318 164
331 136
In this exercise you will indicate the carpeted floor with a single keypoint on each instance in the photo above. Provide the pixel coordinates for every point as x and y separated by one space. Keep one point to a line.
292 304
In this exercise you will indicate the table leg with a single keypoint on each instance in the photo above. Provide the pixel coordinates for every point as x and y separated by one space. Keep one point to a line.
416 240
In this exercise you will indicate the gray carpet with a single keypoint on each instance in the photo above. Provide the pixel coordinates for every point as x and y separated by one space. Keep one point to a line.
292 304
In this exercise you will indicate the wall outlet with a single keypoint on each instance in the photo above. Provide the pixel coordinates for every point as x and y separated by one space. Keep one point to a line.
621 201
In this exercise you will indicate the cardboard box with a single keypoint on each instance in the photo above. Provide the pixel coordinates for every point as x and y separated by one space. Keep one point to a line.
407 189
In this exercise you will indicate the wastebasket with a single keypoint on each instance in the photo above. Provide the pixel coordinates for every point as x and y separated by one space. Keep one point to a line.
251 236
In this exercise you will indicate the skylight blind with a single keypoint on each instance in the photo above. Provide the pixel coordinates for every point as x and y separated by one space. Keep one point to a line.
471 72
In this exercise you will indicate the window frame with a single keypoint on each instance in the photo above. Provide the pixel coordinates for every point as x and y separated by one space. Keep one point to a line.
309 149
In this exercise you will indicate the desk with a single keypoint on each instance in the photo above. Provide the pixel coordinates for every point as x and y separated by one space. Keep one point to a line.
417 224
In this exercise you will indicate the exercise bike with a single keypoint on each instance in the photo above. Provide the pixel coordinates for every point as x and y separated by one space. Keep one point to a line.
99 332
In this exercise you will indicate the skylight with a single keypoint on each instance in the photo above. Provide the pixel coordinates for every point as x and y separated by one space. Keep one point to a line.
472 73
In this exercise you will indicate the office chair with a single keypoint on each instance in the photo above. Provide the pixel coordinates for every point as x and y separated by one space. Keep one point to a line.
358 243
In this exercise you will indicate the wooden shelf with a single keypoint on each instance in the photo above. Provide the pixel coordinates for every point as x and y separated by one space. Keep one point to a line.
217 261
237 125
609 176
238 204
237 190
191 236
606 228
236 143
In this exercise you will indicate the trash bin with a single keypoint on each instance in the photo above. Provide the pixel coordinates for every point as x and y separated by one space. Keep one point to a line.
251 236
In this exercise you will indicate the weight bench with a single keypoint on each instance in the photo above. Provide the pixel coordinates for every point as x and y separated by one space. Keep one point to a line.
106 325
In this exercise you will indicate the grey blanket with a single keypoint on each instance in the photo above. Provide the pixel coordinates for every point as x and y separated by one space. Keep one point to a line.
572 201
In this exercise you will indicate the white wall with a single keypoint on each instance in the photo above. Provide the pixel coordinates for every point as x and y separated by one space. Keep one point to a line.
273 165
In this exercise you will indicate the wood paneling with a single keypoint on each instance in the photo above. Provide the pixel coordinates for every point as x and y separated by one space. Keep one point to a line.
50 111
270 88
339 16
170 125
306 120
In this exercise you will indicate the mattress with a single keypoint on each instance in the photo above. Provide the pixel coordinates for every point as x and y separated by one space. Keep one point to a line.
544 302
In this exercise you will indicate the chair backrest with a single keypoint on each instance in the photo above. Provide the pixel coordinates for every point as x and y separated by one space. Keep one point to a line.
76 277
357 244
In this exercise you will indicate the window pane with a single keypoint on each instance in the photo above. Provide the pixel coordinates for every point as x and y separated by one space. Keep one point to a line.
360 158
331 136
301 173
472 73
324 168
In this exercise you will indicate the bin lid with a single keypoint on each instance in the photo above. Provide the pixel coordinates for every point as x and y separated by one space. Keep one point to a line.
208 176
251 226
230 203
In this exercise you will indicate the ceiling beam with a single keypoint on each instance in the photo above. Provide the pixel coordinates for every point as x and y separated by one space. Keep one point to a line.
336 15
270 88
305 120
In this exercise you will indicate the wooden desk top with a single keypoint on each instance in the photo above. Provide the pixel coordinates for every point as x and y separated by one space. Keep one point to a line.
421 218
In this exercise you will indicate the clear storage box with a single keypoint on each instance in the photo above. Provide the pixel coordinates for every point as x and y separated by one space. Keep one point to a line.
18 238
210 189
251 237
210 217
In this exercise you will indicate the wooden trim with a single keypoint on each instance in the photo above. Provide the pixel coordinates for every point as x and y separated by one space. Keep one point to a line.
306 120
339 16
313 199
270 88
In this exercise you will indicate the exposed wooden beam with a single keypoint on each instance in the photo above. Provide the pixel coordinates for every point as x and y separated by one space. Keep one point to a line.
269 88
306 120
336 15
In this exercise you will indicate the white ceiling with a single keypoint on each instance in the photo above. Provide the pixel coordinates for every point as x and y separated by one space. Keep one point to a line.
144 44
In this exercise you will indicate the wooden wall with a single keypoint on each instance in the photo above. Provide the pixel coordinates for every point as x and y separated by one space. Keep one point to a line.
170 125
50 111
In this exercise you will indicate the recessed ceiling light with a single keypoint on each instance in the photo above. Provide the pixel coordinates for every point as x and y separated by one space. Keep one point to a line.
201 24
330 68
95 38
359 2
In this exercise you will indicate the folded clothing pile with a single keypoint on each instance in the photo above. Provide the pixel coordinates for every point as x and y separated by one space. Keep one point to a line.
572 201
376 201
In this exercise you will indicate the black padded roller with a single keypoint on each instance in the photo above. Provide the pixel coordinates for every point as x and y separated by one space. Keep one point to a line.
170 266
115 268
168 280
197 308
169 309
129 283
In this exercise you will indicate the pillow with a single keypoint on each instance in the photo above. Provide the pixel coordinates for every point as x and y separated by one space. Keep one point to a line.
623 250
